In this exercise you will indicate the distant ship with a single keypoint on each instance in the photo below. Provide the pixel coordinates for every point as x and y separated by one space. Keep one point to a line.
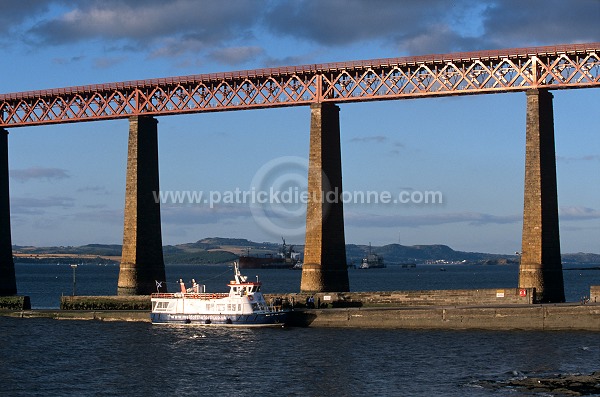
286 258
372 261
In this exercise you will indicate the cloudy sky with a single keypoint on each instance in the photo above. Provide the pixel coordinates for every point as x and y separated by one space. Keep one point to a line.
68 181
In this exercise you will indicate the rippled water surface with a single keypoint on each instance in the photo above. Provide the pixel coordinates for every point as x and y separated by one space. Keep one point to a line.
46 283
44 357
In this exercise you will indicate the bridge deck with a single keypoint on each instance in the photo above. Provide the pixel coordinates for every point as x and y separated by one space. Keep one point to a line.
481 72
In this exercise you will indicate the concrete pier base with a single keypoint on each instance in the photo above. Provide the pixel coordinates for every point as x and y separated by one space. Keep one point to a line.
541 266
8 283
325 267
142 263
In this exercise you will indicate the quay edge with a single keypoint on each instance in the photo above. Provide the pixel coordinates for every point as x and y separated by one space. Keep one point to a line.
543 317
494 309
546 317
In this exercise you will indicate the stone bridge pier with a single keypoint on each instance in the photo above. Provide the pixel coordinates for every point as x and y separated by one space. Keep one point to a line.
8 283
324 267
142 263
541 266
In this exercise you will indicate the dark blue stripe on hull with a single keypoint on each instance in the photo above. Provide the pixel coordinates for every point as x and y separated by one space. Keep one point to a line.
204 319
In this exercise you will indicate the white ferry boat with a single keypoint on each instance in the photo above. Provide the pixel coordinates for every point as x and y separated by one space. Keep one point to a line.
244 305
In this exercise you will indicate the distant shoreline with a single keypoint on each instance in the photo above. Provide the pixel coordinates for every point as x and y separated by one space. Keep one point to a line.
116 260
216 250
65 258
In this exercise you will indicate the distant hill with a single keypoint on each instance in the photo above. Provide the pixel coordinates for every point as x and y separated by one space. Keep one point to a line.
89 249
580 257
396 253
220 250
239 242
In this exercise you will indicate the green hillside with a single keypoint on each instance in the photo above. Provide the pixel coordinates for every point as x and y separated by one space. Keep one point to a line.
220 250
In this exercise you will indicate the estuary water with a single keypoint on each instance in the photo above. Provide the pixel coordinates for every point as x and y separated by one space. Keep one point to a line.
45 283
44 357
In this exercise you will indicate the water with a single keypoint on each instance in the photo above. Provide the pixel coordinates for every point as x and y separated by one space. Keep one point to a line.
45 283
44 357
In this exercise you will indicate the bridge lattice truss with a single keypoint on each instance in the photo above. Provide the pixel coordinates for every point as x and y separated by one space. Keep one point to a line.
555 67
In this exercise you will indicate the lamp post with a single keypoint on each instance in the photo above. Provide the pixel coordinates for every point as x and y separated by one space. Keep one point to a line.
74 267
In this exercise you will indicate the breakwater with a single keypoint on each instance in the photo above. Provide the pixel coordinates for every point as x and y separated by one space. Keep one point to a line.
111 302
15 302
558 317
496 296
100 315
550 317
595 293
491 309
458 297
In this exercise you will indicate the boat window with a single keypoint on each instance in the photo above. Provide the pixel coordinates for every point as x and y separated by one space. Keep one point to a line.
161 306
239 309
221 307
255 307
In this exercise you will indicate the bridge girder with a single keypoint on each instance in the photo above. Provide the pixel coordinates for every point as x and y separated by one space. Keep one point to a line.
467 73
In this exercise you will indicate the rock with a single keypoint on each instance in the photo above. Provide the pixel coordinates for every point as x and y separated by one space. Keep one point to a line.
567 385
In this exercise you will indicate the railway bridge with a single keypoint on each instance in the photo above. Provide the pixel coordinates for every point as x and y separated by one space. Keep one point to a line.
534 71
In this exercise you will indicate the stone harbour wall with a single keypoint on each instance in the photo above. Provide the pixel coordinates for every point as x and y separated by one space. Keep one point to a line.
496 296
489 309
15 302
544 317
98 315
559 317
595 294
113 302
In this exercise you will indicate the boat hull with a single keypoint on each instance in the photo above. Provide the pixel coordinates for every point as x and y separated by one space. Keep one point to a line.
272 319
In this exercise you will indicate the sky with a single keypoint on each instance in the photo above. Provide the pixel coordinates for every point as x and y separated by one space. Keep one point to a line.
67 182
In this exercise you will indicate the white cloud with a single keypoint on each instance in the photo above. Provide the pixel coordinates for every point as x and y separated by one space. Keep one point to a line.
36 206
27 174
576 213
473 218
374 138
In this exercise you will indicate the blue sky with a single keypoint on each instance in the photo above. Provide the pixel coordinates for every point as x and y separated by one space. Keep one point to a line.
68 181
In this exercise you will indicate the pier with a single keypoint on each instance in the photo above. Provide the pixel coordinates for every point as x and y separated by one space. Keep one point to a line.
543 317
489 309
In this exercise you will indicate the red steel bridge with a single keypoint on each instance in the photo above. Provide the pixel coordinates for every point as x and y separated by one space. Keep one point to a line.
482 72
535 71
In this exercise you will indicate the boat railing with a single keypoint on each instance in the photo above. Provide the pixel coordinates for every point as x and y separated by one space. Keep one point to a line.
217 295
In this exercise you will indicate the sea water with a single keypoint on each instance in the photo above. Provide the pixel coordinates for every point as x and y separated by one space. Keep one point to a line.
45 283
44 357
